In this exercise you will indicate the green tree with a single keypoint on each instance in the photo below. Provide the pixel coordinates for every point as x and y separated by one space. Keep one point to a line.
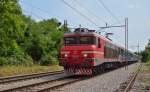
145 56
12 27
146 53
42 39
22 39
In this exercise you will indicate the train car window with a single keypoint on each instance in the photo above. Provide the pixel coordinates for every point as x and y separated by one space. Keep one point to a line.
107 51
99 43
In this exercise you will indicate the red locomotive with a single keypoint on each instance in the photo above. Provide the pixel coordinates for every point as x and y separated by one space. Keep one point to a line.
85 52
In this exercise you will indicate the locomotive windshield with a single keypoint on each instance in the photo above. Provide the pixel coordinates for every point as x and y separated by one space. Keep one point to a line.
82 40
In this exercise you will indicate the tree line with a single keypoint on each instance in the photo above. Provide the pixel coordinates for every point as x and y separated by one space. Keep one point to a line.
146 53
24 41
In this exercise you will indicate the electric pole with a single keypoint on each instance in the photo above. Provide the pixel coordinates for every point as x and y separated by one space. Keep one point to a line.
138 47
126 38
65 26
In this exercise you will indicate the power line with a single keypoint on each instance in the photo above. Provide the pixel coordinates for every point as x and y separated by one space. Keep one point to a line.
108 10
47 12
80 13
90 12
34 14
37 8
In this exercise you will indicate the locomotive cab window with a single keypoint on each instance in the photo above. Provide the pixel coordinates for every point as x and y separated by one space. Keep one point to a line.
80 40
70 40
87 40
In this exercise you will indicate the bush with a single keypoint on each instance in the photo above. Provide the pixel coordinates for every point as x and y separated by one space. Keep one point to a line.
145 56
49 60
148 63
3 61
16 60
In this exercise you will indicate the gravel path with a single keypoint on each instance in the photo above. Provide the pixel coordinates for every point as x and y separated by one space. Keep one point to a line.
107 82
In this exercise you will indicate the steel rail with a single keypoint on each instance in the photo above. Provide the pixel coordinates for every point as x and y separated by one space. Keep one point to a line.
59 85
46 89
9 79
128 87
30 85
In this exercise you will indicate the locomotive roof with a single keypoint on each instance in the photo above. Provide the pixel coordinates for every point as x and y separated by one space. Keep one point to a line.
86 32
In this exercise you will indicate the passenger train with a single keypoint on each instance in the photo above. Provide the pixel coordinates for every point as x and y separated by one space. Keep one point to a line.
86 52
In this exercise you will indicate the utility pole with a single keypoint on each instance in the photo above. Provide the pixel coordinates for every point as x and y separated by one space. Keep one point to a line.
138 47
126 38
65 26
126 42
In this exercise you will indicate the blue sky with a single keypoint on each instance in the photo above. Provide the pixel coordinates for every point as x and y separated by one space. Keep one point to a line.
136 10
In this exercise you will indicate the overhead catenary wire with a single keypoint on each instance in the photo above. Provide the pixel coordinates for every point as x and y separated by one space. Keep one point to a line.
33 14
108 10
89 11
37 8
76 10
80 13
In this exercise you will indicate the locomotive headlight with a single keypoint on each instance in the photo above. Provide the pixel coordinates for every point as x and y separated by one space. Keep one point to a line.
85 55
65 55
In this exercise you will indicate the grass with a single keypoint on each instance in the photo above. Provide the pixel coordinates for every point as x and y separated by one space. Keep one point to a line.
146 68
148 65
146 81
15 70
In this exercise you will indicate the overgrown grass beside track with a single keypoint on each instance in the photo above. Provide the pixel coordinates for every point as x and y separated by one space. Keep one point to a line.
144 78
146 67
15 70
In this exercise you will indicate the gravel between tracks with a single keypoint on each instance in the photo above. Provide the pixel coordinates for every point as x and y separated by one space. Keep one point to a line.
30 81
107 82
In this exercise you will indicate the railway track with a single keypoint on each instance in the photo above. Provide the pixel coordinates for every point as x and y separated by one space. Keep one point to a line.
42 86
127 85
57 84
5 80
49 84
49 88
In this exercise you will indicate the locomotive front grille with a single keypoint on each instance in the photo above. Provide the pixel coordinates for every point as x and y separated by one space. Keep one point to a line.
75 59
75 56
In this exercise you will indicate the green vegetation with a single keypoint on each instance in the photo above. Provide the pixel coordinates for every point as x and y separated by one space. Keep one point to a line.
23 41
146 54
14 70
148 66
145 71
